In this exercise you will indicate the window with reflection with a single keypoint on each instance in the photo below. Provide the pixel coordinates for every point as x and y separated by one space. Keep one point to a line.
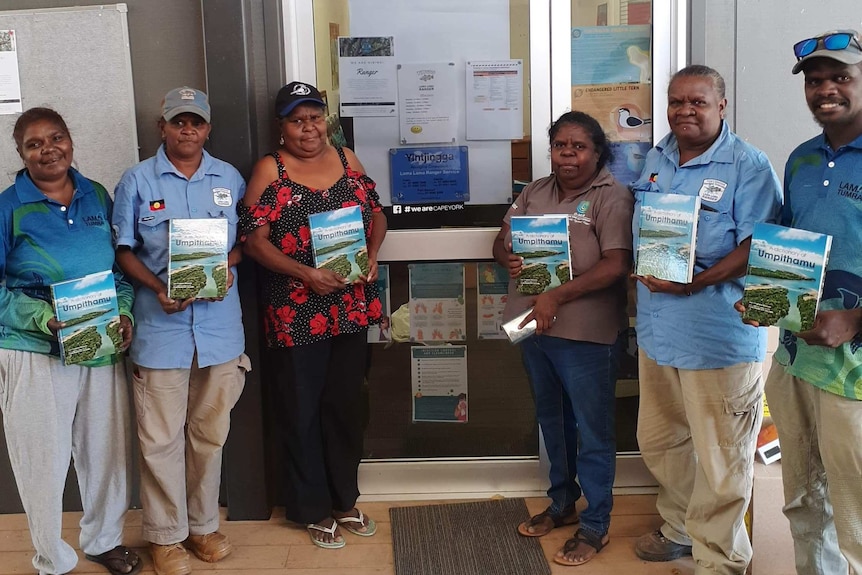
612 81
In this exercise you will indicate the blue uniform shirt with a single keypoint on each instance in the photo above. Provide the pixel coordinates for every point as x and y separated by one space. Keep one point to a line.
738 188
44 242
147 197
824 194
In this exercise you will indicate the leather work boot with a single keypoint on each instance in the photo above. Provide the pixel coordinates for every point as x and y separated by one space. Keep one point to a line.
211 547
170 559
656 547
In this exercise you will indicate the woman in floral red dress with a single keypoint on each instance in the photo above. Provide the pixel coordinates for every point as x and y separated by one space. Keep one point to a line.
315 321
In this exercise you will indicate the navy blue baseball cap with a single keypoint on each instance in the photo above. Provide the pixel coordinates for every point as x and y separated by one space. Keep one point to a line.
294 94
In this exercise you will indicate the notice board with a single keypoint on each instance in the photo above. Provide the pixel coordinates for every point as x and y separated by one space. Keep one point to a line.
76 60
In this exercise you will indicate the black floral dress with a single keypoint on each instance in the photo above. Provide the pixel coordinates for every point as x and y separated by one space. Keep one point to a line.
296 315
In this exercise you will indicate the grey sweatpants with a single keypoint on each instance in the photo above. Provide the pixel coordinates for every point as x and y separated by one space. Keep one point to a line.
53 411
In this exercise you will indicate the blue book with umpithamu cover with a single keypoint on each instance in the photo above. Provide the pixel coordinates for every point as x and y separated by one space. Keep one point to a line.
338 241
543 243
667 233
784 279
88 308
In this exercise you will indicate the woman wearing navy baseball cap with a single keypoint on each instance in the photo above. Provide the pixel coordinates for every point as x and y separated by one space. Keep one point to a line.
316 320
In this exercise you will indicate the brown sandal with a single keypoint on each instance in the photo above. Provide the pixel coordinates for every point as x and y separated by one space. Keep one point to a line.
594 540
540 519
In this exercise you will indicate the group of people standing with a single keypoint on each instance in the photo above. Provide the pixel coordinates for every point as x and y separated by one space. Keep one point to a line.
188 364
700 365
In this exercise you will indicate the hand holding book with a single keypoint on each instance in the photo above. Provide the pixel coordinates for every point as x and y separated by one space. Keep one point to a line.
656 285
125 333
170 305
514 263
323 281
833 328
55 326
373 273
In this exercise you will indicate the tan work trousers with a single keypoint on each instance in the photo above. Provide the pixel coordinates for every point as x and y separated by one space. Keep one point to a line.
697 431
183 422
821 465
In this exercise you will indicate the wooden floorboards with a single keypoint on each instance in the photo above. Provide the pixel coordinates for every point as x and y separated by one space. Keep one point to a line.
276 548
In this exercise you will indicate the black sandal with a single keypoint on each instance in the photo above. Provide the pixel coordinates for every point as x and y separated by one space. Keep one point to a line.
569 518
594 540
118 561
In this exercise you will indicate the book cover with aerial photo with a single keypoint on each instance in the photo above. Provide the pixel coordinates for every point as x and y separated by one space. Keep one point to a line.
338 241
543 242
88 307
197 260
785 274
666 236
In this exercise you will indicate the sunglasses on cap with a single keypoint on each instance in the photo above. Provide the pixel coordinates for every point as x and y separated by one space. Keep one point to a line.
834 42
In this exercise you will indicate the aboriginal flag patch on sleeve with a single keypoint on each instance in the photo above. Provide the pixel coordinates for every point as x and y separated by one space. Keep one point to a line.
157 205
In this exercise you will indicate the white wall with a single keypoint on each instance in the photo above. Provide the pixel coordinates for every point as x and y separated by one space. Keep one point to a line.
751 44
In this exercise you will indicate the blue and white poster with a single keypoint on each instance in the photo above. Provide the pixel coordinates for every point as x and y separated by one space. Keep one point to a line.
437 310
429 175
611 54
492 291
439 377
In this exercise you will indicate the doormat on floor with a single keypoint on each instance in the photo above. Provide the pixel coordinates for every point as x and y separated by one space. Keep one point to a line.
479 538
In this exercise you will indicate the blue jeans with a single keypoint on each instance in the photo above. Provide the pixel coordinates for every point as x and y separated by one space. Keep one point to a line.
573 384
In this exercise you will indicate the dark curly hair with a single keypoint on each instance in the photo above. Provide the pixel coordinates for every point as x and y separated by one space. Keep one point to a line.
32 116
591 127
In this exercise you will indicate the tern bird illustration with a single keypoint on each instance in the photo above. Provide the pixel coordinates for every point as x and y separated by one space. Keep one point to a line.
628 120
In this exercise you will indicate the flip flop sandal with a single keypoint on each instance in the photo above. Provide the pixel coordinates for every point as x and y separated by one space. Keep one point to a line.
536 520
336 544
117 557
370 529
581 536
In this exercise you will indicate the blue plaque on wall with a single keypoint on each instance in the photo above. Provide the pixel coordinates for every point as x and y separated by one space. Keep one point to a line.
429 175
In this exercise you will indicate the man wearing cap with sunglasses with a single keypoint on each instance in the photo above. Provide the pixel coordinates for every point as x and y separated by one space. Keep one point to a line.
815 385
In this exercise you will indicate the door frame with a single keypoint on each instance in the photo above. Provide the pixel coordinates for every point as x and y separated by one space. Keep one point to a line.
550 96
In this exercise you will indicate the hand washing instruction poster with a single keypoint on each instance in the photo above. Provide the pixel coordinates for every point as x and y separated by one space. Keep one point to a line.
439 376
492 288
437 310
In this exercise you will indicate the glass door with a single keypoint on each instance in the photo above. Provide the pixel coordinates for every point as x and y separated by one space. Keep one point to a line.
490 51
613 59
